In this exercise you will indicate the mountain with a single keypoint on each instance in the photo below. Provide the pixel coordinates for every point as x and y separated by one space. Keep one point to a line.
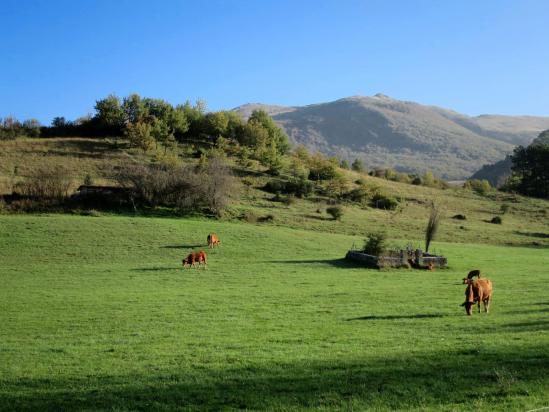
408 136
498 172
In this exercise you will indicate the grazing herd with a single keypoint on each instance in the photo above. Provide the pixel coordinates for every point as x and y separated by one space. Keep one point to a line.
200 257
477 291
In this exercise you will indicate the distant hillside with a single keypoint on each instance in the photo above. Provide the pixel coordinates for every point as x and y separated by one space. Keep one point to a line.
405 135
498 172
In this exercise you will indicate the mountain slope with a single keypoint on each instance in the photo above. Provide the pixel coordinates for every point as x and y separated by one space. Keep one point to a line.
498 172
405 135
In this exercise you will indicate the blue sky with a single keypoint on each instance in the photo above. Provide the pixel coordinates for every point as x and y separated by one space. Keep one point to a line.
58 57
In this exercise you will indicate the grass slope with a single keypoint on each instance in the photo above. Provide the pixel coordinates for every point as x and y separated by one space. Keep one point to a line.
97 314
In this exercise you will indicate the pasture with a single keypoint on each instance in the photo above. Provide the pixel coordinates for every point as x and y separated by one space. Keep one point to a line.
97 314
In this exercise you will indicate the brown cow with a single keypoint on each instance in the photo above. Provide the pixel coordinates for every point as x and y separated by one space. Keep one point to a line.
194 257
213 240
477 291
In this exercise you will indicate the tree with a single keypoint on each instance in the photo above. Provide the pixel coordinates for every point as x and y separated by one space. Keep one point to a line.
358 166
134 108
110 114
178 122
139 135
215 124
321 168
277 136
531 170
58 122
31 127
11 128
161 133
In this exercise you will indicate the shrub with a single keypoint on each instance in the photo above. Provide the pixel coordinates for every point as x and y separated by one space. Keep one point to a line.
288 200
45 184
417 181
266 219
250 216
88 181
375 243
432 225
382 201
359 195
189 189
482 187
497 220
335 211
297 187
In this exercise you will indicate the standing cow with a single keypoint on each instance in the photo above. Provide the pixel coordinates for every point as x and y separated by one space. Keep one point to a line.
477 291
195 257
213 240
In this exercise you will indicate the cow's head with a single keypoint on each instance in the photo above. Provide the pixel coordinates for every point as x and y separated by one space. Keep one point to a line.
468 307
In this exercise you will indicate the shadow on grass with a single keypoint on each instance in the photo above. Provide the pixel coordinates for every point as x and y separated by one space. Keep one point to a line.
183 246
533 234
532 326
338 263
157 269
317 217
400 317
511 379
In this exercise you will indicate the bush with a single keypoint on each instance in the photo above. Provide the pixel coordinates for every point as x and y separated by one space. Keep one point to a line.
335 211
189 189
250 216
496 220
297 187
359 195
417 181
382 201
88 181
51 184
375 244
266 219
482 187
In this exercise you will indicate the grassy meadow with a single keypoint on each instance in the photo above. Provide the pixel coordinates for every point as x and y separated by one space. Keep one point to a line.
97 314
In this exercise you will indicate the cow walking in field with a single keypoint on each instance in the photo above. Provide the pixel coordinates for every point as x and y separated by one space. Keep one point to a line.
213 240
195 257
477 291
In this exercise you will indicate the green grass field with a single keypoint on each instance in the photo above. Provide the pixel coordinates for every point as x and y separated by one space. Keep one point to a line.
97 314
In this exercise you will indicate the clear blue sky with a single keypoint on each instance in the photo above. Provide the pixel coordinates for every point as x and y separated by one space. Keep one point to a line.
58 57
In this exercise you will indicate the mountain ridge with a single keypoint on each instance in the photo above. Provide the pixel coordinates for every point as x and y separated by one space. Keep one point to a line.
405 135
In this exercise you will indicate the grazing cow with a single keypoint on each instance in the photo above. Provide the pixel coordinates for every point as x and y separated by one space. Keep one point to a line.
470 276
213 240
195 257
477 291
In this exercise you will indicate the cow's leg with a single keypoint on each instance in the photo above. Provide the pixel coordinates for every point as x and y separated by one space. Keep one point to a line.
478 304
487 304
